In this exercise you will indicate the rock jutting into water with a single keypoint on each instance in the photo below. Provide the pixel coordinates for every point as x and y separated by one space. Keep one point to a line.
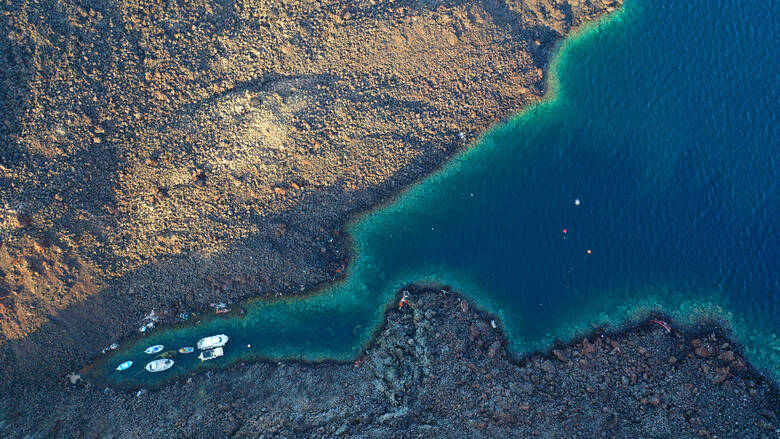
438 368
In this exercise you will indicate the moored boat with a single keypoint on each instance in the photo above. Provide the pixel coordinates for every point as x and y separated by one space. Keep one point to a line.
154 349
211 354
159 365
124 366
215 341
186 350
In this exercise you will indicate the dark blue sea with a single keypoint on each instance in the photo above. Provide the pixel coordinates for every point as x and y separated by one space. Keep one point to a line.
657 151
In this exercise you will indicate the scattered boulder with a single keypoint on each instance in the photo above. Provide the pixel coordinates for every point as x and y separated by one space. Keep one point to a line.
587 347
702 351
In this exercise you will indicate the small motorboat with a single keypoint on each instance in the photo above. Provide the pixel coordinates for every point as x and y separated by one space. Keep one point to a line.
215 341
211 354
159 365
124 366
186 350
154 349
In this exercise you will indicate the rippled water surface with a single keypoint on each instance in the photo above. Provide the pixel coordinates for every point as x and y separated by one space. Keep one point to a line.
663 123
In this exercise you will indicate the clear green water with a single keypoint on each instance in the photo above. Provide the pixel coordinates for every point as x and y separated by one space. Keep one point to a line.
662 121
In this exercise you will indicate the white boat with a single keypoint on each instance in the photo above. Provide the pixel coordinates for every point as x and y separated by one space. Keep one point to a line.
159 365
215 341
154 349
124 366
211 354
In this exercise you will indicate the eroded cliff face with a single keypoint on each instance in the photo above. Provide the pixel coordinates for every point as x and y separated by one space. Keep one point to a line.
168 156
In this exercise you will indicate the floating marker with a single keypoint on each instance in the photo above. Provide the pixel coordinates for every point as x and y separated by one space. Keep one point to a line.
576 201
565 230
589 251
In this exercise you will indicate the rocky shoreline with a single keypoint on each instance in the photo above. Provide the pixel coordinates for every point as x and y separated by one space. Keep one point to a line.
171 156
438 368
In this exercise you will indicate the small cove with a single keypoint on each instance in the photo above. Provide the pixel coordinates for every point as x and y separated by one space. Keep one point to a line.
662 121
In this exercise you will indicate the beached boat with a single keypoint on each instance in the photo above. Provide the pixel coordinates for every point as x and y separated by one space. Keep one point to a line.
159 365
154 349
211 354
186 350
124 366
215 341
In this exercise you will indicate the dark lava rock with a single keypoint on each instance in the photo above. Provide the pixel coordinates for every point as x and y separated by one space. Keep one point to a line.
560 355
437 385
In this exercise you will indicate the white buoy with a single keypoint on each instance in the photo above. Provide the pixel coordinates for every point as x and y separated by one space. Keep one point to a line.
577 201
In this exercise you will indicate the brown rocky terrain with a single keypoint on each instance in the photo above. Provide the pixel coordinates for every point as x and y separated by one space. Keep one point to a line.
168 155
438 369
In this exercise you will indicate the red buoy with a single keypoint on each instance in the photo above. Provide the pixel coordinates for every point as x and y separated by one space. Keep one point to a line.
564 230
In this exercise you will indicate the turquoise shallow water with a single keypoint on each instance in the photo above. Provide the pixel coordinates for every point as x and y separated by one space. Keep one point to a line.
662 120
